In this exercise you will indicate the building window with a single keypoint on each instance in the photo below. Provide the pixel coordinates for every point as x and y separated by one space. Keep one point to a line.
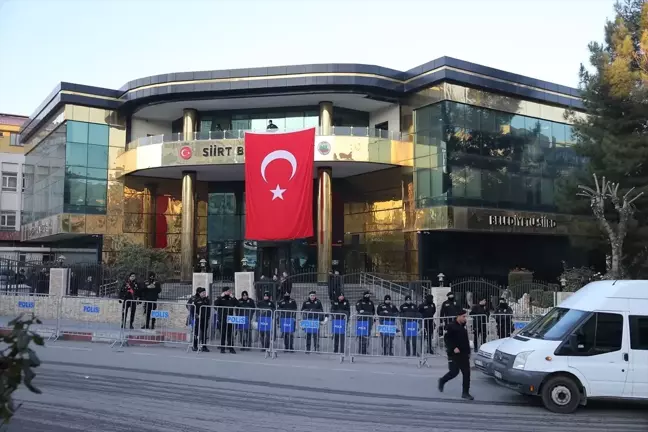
9 182
8 221
14 139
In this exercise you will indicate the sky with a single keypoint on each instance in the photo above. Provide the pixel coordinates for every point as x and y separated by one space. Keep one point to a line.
107 43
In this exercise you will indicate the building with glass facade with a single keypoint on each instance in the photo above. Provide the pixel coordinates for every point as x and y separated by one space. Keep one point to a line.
449 167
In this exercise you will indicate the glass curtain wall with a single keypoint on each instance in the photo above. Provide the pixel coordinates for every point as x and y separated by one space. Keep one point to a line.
86 168
44 177
471 156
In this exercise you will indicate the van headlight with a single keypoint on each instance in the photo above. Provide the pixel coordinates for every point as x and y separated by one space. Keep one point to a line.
521 359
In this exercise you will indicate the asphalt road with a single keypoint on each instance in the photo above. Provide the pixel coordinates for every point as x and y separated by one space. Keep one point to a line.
89 387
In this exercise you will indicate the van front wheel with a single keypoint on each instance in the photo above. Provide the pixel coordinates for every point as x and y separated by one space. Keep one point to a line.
561 395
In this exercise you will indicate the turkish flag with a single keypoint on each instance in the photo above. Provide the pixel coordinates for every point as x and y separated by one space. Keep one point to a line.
279 185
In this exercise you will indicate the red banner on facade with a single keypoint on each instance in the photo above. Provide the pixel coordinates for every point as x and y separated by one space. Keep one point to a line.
279 185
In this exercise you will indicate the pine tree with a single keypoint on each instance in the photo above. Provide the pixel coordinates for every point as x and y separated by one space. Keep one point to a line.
614 136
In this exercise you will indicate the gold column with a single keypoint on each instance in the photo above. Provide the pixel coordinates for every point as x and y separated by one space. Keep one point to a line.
324 224
149 214
188 223
326 118
189 126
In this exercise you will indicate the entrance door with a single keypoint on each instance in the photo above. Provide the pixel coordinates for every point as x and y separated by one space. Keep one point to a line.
273 259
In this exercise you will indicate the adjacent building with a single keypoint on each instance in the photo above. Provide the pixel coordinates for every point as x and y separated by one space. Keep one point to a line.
449 167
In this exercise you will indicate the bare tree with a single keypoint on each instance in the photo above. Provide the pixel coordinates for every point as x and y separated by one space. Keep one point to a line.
608 191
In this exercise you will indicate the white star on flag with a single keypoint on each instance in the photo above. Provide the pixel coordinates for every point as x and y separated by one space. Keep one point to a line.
277 193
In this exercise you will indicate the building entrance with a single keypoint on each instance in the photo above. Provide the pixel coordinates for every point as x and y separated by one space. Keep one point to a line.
273 259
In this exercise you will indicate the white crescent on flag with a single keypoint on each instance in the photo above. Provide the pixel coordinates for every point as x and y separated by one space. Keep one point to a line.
276 155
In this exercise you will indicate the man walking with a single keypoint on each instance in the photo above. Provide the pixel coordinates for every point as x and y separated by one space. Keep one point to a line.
458 347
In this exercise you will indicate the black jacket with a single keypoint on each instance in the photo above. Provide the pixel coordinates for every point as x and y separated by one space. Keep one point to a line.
313 306
387 311
226 307
409 310
129 291
457 337
266 307
341 307
504 318
247 304
288 308
150 290
449 308
480 315
201 314
365 307
427 310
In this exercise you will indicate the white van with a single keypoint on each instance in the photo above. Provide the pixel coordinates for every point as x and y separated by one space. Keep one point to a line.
593 345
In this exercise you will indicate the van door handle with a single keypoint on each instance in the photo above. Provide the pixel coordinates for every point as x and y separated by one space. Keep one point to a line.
625 356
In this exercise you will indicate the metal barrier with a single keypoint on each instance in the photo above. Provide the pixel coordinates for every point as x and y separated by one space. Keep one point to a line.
501 326
237 328
394 337
44 307
478 333
311 332
93 318
162 322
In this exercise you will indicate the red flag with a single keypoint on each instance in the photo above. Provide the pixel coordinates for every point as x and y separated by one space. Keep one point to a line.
279 185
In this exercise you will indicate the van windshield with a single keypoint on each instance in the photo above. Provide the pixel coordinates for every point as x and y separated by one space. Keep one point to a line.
555 325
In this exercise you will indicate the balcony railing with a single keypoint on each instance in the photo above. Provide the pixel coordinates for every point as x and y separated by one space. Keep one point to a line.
240 134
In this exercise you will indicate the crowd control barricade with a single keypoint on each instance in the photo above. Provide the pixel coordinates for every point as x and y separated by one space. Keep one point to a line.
156 323
311 332
235 328
393 337
44 307
432 340
91 319
501 326
477 326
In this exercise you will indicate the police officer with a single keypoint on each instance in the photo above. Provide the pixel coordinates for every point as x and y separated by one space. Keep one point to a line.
314 311
409 310
225 305
340 306
458 348
480 315
150 293
247 303
266 307
387 310
199 315
288 310
504 319
366 309
427 309
449 309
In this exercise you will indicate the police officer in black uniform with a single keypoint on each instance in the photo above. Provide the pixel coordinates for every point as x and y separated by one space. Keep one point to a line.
312 310
340 306
480 315
458 348
287 308
449 309
225 307
366 309
247 303
504 319
427 309
265 306
387 310
199 315
409 310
